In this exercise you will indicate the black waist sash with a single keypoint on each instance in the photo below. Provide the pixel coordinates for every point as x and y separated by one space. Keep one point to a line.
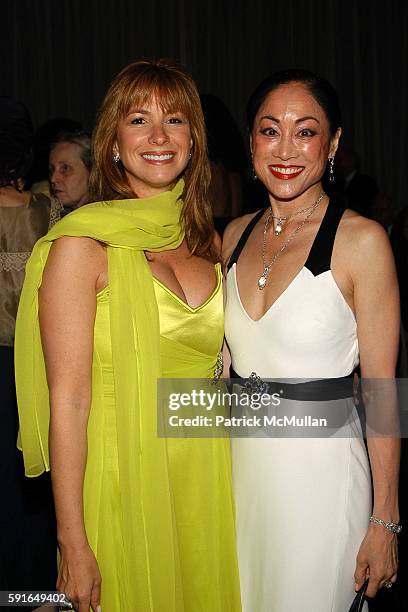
321 390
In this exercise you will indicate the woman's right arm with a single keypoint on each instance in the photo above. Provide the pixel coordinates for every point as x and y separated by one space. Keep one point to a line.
67 307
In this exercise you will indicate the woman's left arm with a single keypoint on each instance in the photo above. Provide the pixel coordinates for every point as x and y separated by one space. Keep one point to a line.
376 302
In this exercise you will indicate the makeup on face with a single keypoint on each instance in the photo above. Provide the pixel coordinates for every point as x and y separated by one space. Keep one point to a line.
285 173
154 147
290 141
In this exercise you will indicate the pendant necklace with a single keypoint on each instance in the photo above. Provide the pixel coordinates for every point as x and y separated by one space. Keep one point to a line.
280 220
267 266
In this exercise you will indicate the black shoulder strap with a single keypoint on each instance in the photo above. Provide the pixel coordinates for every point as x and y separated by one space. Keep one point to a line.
242 241
320 255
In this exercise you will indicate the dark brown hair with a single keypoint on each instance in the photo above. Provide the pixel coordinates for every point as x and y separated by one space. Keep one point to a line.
322 91
175 91
16 135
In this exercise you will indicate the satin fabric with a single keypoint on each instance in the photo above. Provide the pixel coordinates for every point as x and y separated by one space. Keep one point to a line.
147 571
199 469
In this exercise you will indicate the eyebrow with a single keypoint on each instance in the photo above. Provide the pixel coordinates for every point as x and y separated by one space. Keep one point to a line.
138 110
142 111
297 120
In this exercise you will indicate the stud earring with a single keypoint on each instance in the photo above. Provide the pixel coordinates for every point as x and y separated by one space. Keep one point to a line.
116 157
331 169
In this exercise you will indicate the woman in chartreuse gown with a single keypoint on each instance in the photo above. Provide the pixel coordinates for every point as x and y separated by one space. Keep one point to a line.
311 293
130 290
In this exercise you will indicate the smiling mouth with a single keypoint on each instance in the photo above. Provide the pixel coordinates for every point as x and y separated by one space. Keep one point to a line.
286 173
158 157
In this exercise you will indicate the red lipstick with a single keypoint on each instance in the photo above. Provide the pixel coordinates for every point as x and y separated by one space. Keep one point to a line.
285 173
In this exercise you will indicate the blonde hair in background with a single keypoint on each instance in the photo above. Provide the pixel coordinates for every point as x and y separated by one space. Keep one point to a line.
175 91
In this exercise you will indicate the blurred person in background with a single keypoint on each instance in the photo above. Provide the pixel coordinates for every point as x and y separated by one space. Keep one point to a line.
228 161
69 168
349 186
27 524
38 175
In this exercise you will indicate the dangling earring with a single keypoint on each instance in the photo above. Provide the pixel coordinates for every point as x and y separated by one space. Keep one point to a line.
116 157
190 155
254 176
331 169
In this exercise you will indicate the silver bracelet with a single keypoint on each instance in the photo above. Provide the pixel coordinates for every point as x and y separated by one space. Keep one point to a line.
394 527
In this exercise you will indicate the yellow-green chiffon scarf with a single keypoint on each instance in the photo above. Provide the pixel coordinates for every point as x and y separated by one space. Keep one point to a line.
128 228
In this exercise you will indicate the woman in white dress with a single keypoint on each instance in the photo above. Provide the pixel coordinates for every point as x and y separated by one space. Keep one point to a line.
311 293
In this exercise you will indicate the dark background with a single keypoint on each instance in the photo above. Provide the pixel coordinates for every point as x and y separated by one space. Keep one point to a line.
59 56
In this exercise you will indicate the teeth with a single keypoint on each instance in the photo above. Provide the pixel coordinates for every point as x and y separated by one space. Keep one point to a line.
158 157
286 170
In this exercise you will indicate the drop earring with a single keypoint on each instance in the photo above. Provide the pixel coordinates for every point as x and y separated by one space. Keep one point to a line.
254 176
116 157
331 170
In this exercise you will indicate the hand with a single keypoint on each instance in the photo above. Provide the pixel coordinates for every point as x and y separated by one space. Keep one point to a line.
79 577
377 559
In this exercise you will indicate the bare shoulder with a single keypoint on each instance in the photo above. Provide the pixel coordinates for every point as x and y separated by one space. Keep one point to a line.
233 233
76 257
363 241
362 231
77 248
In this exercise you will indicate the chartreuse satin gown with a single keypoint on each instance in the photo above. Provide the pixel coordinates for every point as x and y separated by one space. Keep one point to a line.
199 469
158 512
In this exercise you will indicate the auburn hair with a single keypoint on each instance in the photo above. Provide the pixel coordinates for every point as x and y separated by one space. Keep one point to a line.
175 91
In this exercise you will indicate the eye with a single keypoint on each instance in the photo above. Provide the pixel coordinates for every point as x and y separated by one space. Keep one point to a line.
138 121
65 168
174 120
306 132
269 131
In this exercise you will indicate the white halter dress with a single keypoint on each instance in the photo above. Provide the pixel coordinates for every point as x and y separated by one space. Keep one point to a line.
302 505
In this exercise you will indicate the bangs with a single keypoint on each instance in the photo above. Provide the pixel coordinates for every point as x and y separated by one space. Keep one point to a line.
171 91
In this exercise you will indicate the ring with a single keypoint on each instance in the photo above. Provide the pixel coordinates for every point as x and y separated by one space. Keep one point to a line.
388 584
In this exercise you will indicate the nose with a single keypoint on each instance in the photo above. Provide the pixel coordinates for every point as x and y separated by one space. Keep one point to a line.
286 148
53 176
158 134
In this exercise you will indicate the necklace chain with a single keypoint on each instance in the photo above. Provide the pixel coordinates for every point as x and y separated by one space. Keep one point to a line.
267 266
280 220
